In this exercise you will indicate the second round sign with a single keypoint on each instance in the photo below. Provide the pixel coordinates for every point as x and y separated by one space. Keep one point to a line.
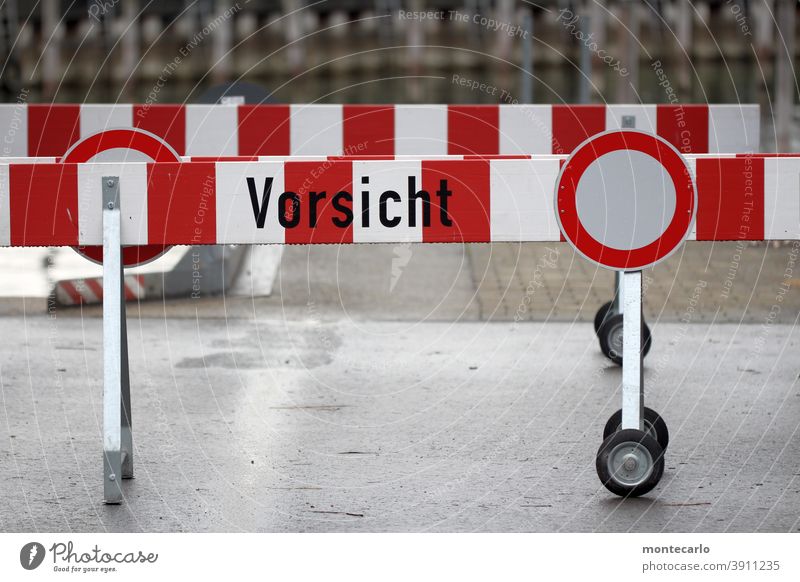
625 199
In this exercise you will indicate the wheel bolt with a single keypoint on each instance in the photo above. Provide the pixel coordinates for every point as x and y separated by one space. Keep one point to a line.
630 463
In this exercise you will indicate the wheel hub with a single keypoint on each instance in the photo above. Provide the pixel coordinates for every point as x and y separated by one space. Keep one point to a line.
615 339
630 464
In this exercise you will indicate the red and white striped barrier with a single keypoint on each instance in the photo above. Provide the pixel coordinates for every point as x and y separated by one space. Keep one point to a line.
89 291
291 130
360 201
464 198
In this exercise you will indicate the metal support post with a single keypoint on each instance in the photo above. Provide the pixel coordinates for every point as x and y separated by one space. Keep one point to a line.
628 122
585 85
632 377
617 301
117 433
527 58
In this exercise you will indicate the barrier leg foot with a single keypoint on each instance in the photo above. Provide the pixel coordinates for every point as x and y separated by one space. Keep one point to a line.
112 472
630 462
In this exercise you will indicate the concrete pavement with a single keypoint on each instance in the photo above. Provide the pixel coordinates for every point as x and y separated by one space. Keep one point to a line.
363 426
395 388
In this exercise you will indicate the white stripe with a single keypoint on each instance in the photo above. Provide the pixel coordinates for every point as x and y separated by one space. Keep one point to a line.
133 288
733 128
211 130
85 291
95 118
430 157
29 160
526 129
133 200
132 283
316 130
236 221
691 162
5 213
14 129
62 296
644 117
388 175
782 198
522 200
420 129
292 158
705 155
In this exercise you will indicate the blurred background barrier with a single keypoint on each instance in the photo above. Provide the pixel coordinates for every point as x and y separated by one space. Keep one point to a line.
393 51
382 130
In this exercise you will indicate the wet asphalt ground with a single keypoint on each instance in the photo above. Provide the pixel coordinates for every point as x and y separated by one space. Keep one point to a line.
424 388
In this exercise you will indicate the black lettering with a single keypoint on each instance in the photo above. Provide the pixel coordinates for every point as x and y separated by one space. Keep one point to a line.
413 195
365 208
443 193
384 207
260 214
312 212
289 217
347 212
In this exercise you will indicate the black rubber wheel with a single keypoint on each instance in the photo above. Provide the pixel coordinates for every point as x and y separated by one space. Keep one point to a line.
654 425
601 314
610 336
630 463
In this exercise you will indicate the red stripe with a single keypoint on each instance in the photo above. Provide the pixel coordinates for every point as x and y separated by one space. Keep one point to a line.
468 205
329 177
52 129
684 126
730 196
561 236
573 124
43 204
264 130
119 139
181 202
95 287
473 129
368 130
70 290
166 121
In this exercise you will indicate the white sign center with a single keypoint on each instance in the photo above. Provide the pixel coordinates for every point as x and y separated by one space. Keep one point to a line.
625 199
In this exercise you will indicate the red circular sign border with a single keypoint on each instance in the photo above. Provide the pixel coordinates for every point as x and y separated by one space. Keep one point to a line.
122 138
592 249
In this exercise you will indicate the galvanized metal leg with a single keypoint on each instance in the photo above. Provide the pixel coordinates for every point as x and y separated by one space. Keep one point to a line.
632 377
117 437
628 122
616 302
126 419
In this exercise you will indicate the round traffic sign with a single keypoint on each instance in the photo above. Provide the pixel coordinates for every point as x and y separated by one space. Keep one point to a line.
122 145
625 199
